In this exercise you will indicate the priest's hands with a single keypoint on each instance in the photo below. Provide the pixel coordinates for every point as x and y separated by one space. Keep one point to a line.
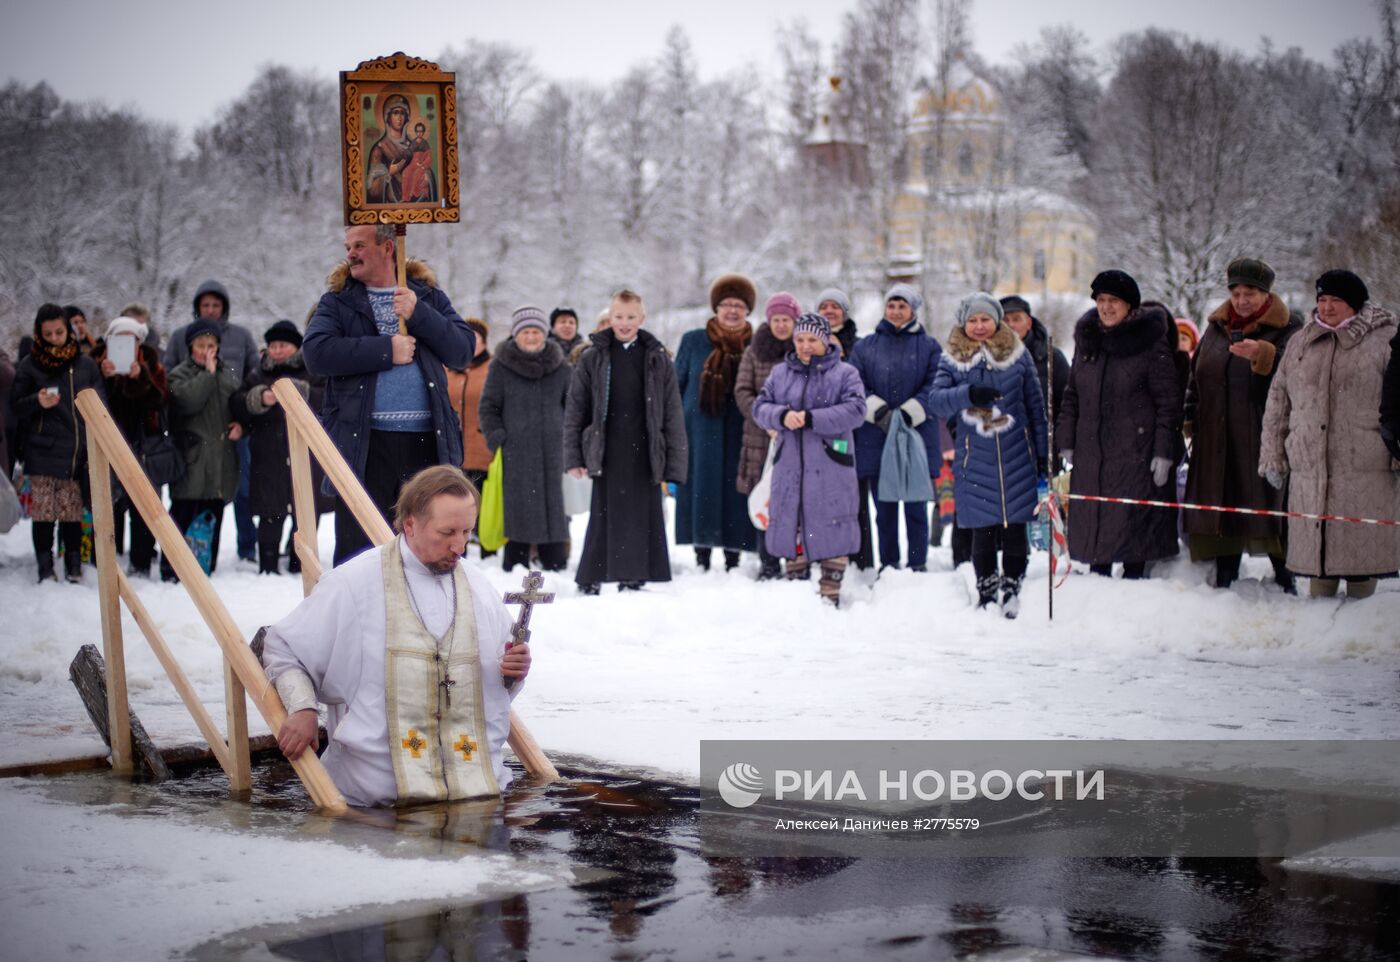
515 663
299 731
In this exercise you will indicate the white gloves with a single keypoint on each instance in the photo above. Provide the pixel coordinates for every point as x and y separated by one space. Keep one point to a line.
915 410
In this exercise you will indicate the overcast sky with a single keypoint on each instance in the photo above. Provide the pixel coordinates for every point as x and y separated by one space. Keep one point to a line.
180 61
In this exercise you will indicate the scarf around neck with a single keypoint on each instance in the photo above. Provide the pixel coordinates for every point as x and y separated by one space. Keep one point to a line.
1235 322
53 359
722 366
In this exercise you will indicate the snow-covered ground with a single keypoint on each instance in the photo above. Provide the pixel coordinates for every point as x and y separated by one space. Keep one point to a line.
635 681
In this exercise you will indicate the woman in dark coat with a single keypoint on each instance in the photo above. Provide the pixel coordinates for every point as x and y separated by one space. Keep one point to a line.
1120 429
1231 372
53 440
270 480
835 306
710 511
814 401
522 414
137 398
772 342
987 383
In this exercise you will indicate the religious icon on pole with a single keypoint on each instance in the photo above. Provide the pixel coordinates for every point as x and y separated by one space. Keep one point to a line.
399 140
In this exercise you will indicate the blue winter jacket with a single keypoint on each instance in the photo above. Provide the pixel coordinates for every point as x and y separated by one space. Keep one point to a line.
344 345
996 448
896 365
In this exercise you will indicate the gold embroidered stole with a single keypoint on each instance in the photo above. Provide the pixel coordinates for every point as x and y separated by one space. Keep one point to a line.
437 733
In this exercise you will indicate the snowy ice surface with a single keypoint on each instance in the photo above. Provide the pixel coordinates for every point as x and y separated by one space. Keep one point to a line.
635 681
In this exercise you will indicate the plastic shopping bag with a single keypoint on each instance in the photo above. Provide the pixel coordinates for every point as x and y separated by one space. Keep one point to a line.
491 528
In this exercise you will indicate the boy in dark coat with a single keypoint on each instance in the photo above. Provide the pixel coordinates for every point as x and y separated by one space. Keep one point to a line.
623 426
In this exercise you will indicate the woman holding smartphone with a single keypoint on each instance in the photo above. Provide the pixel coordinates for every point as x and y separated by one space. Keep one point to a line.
53 445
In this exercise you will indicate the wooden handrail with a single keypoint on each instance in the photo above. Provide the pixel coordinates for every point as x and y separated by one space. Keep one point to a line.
304 432
243 664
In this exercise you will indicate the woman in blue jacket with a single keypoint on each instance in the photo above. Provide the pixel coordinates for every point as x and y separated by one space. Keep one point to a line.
987 383
897 364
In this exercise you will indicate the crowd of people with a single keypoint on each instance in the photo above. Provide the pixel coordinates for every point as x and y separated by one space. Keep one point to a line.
1257 408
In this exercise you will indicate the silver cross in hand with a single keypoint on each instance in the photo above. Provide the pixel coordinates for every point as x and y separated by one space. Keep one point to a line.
527 599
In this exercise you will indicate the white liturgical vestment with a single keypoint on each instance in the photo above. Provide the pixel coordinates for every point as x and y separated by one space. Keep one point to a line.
338 637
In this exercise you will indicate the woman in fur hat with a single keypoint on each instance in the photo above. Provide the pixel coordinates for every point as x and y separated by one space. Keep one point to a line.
1120 428
987 383
1231 372
710 511
53 442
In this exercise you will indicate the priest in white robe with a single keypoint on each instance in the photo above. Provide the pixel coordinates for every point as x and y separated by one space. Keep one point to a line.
410 651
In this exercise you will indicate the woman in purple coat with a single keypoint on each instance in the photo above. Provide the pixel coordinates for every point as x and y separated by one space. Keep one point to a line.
815 401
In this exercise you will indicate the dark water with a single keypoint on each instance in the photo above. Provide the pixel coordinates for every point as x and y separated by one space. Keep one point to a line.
643 890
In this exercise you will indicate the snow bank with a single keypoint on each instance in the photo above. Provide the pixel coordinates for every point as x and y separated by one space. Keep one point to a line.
638 679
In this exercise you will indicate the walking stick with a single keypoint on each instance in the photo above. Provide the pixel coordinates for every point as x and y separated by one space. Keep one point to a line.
400 242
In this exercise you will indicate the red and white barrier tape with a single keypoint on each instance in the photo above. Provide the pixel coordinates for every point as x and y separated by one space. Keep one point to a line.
1059 543
1213 507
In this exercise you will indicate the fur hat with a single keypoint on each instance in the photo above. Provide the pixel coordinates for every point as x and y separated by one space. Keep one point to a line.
837 295
810 323
479 327
1347 286
979 302
528 316
1118 283
283 331
782 303
127 325
733 285
907 294
1015 303
1248 270
201 326
1184 325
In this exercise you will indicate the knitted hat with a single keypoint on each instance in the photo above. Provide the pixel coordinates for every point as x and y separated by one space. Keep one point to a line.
1015 303
528 316
559 312
810 323
979 302
1184 325
283 331
1248 270
837 295
782 303
907 294
201 326
1347 286
127 325
1120 284
732 285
